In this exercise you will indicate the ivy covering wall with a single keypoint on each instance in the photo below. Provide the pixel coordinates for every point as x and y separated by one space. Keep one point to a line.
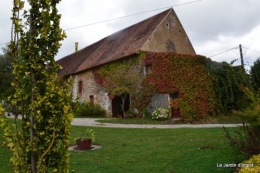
204 87
188 76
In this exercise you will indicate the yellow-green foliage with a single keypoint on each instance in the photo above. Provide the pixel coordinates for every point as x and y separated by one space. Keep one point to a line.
121 65
40 143
252 165
126 77
121 77
2 111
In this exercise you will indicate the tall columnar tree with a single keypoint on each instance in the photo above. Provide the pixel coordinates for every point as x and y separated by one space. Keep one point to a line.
255 74
40 143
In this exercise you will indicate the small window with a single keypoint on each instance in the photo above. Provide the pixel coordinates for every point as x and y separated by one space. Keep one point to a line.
179 30
91 98
148 69
167 25
80 88
174 96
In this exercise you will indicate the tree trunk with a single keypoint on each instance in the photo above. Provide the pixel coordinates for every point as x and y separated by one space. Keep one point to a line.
123 97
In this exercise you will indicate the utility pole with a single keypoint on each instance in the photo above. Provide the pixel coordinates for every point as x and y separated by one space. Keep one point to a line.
241 56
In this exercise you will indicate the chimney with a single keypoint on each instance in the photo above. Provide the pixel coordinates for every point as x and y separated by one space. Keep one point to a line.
76 46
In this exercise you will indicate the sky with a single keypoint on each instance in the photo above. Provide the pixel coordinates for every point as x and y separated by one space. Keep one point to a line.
214 27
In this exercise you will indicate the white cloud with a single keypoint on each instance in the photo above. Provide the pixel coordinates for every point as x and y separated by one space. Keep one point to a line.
213 26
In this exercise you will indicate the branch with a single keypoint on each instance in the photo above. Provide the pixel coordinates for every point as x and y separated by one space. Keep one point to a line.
53 138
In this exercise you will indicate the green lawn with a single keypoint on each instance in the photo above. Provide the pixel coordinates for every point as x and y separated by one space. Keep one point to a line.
147 150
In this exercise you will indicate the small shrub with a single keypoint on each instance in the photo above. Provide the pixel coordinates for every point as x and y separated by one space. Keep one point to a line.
161 114
147 114
252 165
131 113
88 109
252 115
247 143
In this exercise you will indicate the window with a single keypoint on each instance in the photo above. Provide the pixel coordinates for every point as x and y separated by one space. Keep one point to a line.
174 96
91 98
80 88
167 25
148 69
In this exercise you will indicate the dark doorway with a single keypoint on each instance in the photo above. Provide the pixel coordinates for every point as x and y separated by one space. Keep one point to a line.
91 98
116 105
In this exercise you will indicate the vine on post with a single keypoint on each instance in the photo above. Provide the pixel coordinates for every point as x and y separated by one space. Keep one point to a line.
40 142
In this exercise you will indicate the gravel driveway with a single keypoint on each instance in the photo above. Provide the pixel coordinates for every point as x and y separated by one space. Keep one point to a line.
93 123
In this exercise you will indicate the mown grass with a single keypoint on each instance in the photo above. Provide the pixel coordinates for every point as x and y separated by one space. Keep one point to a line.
147 150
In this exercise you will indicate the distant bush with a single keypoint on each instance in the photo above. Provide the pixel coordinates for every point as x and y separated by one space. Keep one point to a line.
251 115
147 114
87 109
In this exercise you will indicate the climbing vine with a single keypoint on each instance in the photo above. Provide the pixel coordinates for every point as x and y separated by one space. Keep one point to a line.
120 78
40 143
124 77
186 75
205 87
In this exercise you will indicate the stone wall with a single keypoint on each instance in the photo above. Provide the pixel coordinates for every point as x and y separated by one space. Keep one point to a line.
157 101
91 88
169 36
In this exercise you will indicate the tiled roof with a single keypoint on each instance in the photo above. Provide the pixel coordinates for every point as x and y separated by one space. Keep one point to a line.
116 46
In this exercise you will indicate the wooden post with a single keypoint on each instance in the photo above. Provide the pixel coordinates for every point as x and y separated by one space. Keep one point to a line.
241 56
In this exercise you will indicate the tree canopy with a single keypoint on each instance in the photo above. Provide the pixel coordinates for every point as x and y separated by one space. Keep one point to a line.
6 76
255 74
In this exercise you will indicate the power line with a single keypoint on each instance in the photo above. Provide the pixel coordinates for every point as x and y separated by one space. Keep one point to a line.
251 49
4 43
224 51
125 16
131 15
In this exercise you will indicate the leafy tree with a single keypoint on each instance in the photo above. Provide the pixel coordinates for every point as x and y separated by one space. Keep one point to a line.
255 74
40 143
6 76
